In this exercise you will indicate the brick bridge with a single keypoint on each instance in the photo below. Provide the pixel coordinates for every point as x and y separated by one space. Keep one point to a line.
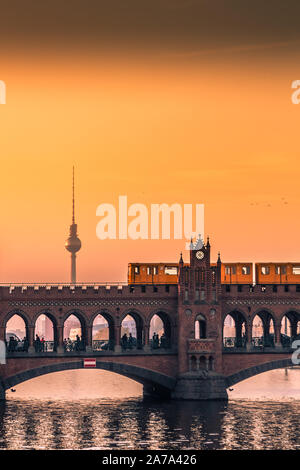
196 360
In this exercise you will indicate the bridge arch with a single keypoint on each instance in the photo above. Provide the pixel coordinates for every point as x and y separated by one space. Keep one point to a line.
263 331
159 382
109 334
20 313
80 316
234 329
167 322
292 314
26 324
109 317
139 320
54 325
255 370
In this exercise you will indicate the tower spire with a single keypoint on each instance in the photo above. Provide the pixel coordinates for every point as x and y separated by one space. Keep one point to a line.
73 199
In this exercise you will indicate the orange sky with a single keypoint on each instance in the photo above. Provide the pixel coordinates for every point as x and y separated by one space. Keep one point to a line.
216 128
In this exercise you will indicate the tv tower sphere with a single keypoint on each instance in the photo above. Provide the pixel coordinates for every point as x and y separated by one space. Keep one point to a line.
73 243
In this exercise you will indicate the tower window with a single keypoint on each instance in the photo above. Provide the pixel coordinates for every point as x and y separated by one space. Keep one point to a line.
148 270
296 269
200 327
155 270
136 270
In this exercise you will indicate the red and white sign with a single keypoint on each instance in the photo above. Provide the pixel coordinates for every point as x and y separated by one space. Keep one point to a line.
89 363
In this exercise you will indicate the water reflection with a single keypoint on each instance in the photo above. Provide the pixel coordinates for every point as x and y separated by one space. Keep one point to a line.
268 421
134 424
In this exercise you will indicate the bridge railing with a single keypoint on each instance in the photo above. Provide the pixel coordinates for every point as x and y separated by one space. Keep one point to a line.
258 342
73 346
160 343
44 346
232 342
103 345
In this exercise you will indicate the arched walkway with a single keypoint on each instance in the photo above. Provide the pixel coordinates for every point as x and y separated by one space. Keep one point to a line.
45 333
103 332
17 332
263 330
255 370
234 330
289 328
74 332
160 331
132 331
144 376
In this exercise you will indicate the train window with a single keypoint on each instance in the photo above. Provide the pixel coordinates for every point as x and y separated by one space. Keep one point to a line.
167 288
296 269
155 289
148 270
297 288
155 270
143 289
274 288
136 270
246 270
265 270
240 288
227 288
286 288
171 270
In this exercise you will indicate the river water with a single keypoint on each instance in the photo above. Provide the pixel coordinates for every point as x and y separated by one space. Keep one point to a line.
100 410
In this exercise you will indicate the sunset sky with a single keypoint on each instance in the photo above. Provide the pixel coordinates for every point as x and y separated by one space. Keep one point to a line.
168 102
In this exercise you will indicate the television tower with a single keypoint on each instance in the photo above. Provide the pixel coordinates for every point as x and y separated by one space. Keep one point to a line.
73 244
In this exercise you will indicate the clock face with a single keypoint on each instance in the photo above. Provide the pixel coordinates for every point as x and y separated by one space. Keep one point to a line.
200 255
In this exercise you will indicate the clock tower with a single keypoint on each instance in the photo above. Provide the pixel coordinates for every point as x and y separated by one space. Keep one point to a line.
199 324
